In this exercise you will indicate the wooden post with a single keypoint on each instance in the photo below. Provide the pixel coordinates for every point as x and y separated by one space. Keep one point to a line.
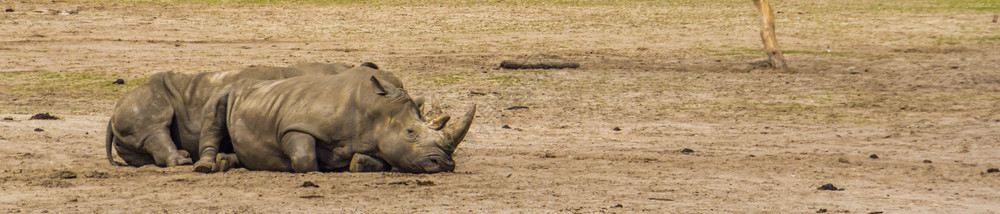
767 35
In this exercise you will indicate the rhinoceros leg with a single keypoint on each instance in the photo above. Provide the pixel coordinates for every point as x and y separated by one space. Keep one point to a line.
364 163
213 132
152 144
164 151
134 157
140 126
157 149
301 150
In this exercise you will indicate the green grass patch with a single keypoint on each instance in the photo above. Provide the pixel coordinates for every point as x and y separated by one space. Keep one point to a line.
923 6
738 51
419 2
987 39
227 2
955 40
973 5
947 40
444 78
504 78
71 84
837 54
827 53
744 52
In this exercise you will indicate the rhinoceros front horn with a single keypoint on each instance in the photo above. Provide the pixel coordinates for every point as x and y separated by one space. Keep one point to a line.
458 130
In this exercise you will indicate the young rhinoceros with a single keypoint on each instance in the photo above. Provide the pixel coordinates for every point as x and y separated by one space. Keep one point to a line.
320 123
159 122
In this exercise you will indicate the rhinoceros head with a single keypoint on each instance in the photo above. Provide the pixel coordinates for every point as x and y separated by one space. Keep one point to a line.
409 140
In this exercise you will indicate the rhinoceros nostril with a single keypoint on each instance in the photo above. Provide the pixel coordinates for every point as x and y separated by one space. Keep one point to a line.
428 164
443 163
436 161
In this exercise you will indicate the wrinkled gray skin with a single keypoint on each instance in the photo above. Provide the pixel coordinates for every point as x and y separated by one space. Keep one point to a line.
317 123
159 122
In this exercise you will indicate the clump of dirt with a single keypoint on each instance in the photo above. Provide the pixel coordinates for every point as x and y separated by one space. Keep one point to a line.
517 107
309 184
829 187
25 155
64 174
54 184
96 174
425 183
843 160
538 64
687 151
44 116
417 182
548 154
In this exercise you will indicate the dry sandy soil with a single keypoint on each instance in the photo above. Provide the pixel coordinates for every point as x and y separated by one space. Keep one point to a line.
915 83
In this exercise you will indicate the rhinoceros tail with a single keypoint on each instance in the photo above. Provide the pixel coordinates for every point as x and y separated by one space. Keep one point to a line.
109 142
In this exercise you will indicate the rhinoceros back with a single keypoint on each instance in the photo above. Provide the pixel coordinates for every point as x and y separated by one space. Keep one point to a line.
326 107
173 102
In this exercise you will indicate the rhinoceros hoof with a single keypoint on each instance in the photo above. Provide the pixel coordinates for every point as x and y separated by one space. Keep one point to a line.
178 160
225 162
204 166
184 161
365 163
222 165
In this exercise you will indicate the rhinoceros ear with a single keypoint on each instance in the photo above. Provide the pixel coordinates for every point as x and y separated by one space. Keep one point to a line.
378 87
438 121
420 102
370 65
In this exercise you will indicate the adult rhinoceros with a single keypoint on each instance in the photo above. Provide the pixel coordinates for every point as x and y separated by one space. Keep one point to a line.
152 121
320 123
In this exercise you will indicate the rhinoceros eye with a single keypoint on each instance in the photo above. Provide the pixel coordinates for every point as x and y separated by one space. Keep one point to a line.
410 134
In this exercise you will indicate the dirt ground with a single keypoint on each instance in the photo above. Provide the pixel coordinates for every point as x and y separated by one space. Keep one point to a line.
915 83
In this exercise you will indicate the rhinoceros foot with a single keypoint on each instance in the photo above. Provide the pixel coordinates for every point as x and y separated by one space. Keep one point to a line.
222 163
365 163
181 158
225 162
204 166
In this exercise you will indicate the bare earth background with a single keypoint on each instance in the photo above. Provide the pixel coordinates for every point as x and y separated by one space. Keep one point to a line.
916 83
